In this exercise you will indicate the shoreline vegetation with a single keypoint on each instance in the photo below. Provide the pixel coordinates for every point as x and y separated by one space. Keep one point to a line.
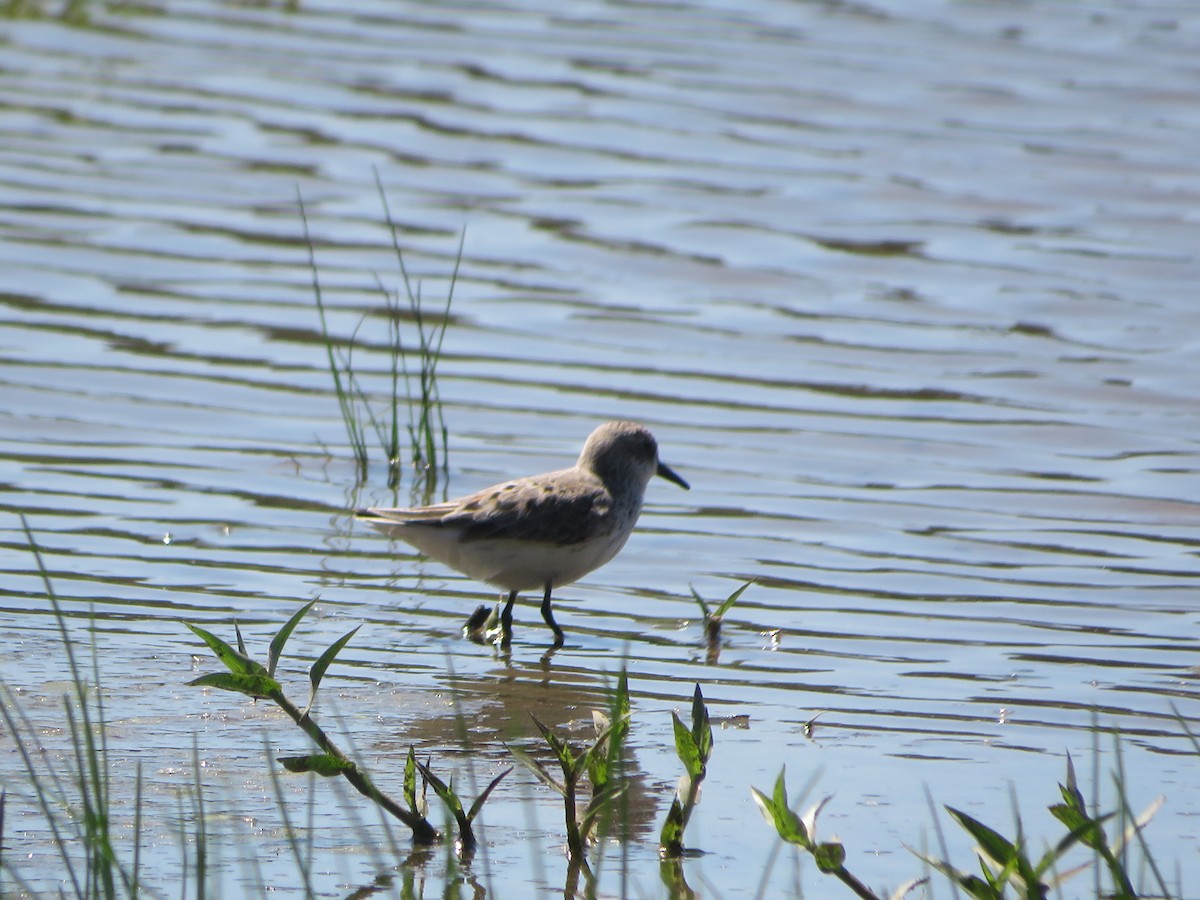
412 383
80 804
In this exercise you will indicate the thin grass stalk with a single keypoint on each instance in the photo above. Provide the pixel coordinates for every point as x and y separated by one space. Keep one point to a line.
575 847
135 875
101 777
310 825
421 433
356 391
1128 812
39 787
463 734
396 352
414 445
941 838
99 868
358 444
289 832
398 365
351 810
201 823
1098 856
76 679
185 870
430 356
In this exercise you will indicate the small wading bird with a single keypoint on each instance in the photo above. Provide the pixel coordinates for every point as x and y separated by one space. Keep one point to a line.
542 531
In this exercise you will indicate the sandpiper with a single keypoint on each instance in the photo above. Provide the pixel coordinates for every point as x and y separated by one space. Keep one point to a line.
542 531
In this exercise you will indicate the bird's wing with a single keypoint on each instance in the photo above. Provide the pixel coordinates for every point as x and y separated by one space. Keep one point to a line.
543 509
558 507
401 516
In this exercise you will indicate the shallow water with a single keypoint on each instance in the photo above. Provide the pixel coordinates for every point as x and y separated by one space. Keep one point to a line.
906 291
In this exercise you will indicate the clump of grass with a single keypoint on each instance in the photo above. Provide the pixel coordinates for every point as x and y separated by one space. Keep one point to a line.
454 805
599 761
714 619
77 806
249 677
1006 862
427 434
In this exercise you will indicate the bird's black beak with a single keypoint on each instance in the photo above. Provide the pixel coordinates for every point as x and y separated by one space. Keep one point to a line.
666 472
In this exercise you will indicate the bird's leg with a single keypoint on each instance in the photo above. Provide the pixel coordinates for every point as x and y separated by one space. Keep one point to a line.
548 615
506 620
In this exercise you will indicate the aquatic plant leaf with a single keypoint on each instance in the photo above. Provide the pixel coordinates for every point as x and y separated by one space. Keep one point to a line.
317 672
775 810
685 746
829 856
1070 790
701 727
322 764
779 794
566 758
1007 858
995 845
445 793
257 686
597 804
670 839
701 601
281 637
238 663
730 600
597 769
410 779
622 713
542 773
975 886
1083 829
487 792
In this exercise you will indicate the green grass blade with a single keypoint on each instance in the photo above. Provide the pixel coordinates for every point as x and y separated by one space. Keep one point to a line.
258 686
685 746
786 822
487 791
353 427
732 599
670 838
317 672
701 727
324 764
237 663
281 637
566 758
536 767
779 794
448 796
410 779
995 845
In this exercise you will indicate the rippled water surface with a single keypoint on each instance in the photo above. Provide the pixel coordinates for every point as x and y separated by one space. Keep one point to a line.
907 291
